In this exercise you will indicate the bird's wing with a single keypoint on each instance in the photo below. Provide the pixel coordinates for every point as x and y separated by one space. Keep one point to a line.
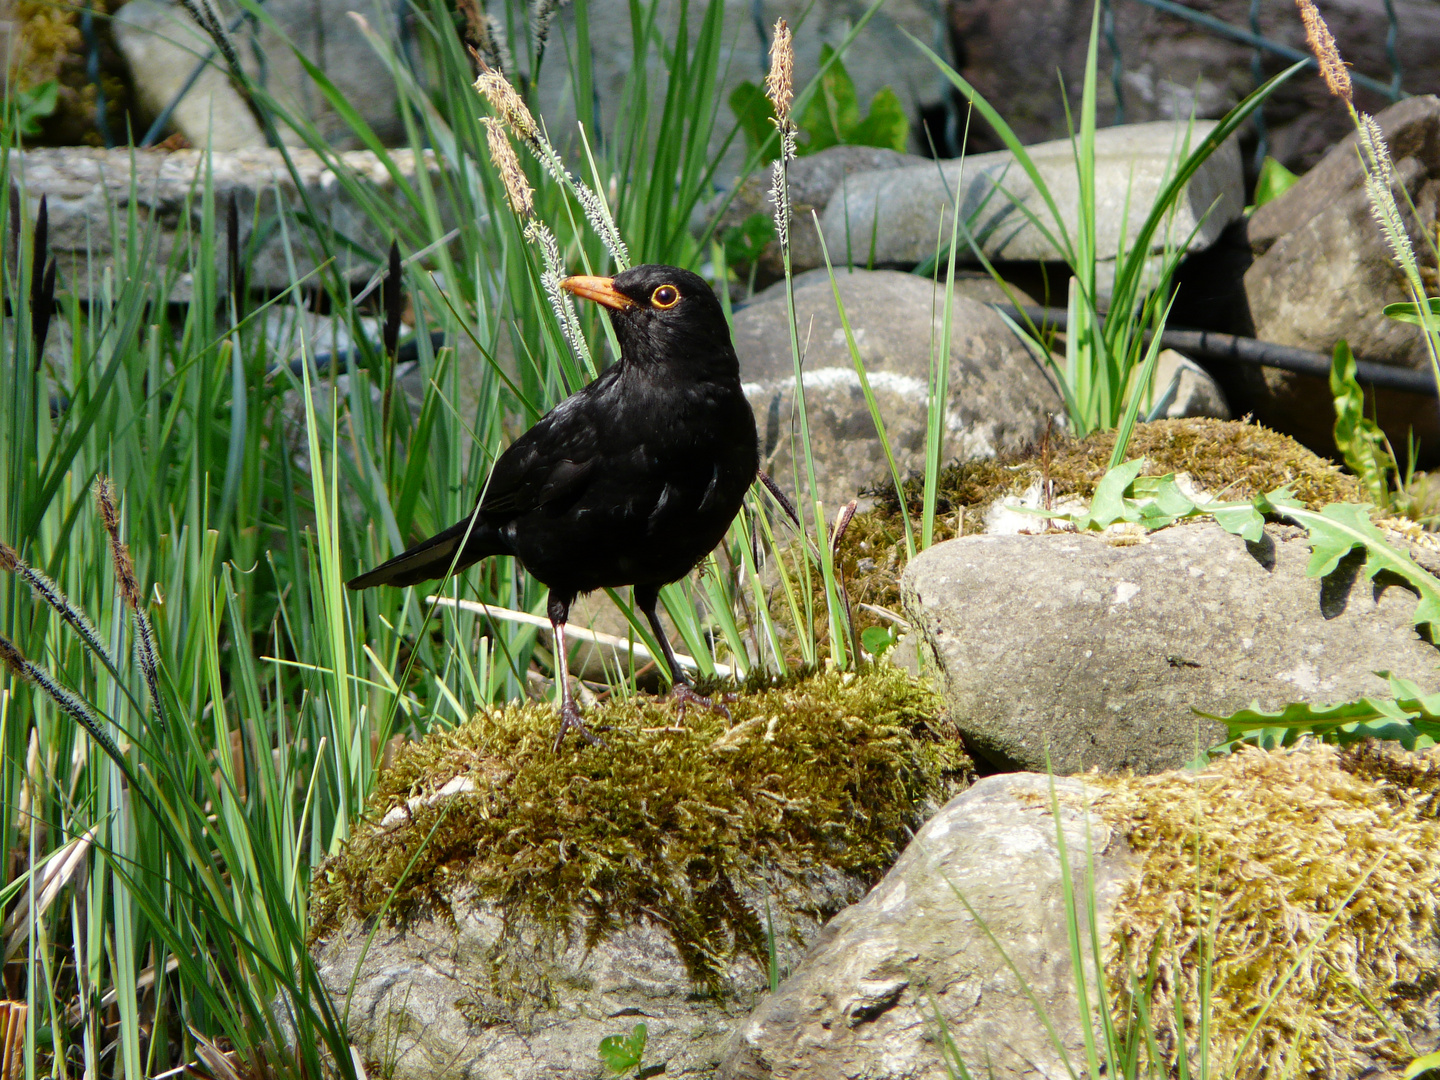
549 466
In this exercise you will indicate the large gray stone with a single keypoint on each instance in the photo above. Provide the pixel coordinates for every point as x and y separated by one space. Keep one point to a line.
90 188
1017 51
432 1002
1000 398
1323 271
1093 654
864 1001
901 208
881 55
162 45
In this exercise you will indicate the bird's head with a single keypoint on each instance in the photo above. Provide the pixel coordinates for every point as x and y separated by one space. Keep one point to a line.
662 315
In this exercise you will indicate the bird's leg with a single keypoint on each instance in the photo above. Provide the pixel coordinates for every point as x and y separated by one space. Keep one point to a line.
680 689
559 612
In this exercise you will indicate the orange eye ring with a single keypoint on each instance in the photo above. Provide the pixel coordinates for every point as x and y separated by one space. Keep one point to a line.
665 297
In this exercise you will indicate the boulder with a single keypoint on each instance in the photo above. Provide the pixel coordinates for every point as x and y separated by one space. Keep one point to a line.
901 208
1311 874
89 188
1322 270
814 180
1183 388
870 997
1016 51
505 908
881 55
1000 397
1071 650
163 46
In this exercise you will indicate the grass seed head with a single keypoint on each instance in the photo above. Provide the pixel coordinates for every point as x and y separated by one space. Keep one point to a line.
780 83
9 558
1322 44
508 104
517 189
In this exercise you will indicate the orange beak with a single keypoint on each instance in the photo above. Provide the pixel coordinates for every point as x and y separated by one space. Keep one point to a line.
600 289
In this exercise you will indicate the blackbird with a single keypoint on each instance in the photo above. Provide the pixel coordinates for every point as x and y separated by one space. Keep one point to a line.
631 481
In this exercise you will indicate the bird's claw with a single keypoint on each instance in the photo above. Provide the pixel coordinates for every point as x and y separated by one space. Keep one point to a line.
684 696
570 719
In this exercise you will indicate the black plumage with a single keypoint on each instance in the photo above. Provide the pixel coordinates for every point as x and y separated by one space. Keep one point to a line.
631 481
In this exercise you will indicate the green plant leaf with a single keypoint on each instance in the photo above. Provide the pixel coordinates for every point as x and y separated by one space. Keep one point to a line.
756 117
1421 1065
1339 528
1274 180
1343 723
886 125
1358 438
1240 519
744 243
621 1053
35 104
1410 312
834 112
1109 504
878 639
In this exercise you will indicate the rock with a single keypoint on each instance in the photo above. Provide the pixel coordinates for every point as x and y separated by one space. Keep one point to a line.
430 1005
1096 654
1184 388
1323 271
863 1002
1255 849
814 179
881 55
1000 397
163 45
1015 51
89 188
551 900
902 207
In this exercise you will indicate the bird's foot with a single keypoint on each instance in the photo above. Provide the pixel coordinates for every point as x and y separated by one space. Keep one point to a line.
571 720
685 696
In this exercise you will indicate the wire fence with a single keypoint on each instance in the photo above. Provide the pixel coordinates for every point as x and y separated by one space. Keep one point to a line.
1260 46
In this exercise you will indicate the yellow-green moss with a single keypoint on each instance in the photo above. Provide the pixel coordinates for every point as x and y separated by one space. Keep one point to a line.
1261 850
829 772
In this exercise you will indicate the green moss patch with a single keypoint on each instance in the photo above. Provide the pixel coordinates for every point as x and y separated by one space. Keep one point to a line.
830 772
1259 853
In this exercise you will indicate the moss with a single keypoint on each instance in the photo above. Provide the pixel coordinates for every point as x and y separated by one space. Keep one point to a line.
1227 458
1259 851
829 772
52 46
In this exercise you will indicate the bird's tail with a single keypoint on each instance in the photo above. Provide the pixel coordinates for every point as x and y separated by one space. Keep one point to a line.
432 558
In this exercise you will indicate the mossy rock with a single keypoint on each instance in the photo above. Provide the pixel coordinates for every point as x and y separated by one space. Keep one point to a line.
1226 458
830 772
1303 884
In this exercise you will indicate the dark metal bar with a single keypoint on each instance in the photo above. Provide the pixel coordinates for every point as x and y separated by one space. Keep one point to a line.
1228 348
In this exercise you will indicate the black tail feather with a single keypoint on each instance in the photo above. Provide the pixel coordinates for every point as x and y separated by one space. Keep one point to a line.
431 559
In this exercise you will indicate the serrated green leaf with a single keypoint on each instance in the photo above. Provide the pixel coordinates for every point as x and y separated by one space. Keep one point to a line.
1277 501
1358 438
1241 519
1410 313
833 112
1341 527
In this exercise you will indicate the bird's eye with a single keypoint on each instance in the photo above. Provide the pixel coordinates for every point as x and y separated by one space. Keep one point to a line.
666 296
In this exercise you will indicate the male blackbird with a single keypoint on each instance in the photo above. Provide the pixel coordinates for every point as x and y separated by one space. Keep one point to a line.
631 481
